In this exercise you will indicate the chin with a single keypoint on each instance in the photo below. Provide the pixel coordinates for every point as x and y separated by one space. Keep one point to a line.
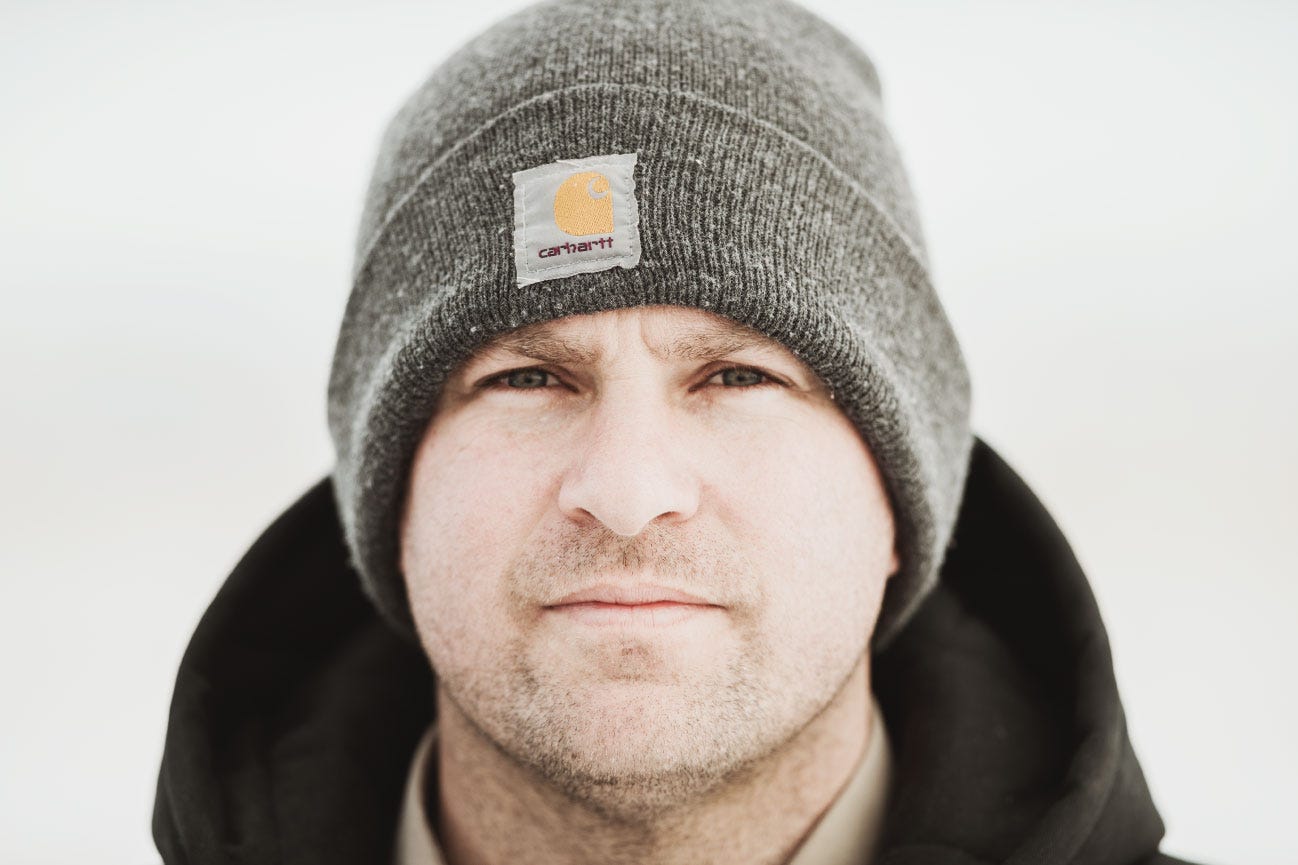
634 772
642 729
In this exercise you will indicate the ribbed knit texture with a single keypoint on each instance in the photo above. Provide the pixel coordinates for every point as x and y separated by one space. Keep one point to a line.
769 191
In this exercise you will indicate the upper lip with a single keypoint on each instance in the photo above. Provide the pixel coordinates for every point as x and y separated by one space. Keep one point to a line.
637 593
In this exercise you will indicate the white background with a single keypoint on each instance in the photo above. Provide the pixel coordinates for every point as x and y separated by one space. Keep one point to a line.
1108 191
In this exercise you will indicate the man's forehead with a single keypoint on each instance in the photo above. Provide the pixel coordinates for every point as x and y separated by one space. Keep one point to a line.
698 338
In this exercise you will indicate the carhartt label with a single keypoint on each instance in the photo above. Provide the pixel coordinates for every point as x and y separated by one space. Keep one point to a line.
575 216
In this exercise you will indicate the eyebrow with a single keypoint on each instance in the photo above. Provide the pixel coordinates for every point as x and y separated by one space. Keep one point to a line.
718 339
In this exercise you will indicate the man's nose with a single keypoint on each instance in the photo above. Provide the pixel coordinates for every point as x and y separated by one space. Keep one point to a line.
630 465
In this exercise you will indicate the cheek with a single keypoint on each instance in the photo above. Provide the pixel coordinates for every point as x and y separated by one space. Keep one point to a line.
819 529
471 512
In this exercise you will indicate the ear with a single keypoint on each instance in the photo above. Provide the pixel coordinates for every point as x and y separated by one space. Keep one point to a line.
894 564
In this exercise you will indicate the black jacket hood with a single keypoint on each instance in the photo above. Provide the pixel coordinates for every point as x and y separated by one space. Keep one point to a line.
296 709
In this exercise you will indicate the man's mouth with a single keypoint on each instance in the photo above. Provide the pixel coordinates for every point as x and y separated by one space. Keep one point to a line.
636 605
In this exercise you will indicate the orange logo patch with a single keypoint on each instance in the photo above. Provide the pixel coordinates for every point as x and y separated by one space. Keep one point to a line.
584 204
575 216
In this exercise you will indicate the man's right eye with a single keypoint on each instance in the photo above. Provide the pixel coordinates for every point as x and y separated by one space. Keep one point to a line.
524 378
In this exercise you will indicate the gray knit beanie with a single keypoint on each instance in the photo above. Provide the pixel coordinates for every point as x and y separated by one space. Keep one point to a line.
587 155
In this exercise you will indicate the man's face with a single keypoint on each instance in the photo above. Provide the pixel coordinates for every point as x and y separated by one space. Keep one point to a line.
596 453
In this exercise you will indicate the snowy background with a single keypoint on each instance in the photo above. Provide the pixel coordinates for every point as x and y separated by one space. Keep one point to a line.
1108 191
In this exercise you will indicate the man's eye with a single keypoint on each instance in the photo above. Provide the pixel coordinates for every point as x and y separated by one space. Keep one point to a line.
526 378
744 377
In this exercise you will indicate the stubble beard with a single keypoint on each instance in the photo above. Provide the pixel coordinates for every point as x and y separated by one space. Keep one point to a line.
638 754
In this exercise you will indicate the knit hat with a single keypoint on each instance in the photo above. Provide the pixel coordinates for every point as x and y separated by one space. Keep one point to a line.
588 155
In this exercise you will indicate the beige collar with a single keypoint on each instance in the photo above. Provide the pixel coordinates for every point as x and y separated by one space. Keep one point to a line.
846 834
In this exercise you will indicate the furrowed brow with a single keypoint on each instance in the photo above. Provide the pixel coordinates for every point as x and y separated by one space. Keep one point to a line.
539 342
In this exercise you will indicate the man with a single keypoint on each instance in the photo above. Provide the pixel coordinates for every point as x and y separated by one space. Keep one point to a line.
658 532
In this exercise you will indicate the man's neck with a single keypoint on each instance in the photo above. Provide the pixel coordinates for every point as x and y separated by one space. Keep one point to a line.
490 811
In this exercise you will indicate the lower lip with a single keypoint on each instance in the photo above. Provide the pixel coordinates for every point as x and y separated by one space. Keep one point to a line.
656 615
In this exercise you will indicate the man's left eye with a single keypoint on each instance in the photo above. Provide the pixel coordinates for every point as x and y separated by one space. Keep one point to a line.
747 373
